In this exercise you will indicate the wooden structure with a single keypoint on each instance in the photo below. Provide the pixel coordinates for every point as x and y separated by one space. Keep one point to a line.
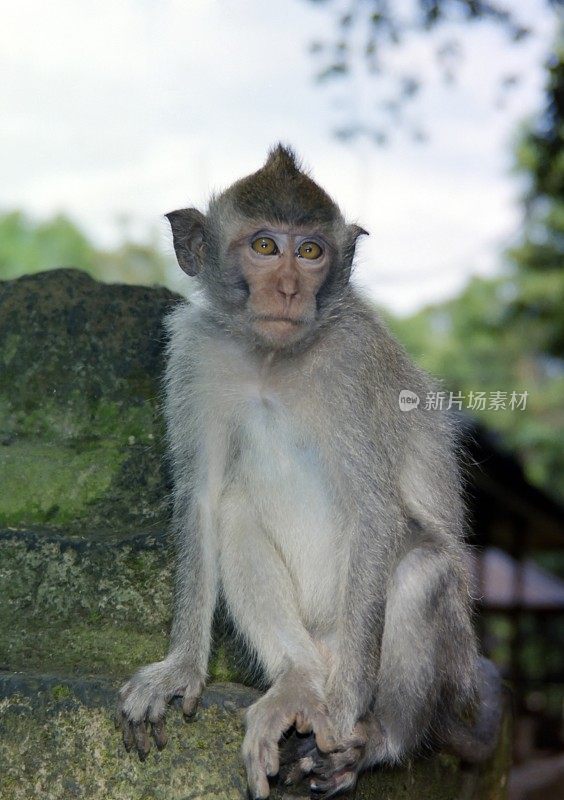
517 530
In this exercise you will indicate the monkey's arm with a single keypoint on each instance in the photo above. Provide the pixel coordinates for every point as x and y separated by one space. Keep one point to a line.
143 699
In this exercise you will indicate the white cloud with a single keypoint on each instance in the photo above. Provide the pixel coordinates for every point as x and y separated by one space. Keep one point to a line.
135 107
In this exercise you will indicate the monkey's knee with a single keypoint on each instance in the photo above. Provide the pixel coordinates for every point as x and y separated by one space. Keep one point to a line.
415 604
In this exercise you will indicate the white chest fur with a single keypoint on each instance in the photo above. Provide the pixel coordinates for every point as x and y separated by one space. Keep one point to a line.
276 469
281 473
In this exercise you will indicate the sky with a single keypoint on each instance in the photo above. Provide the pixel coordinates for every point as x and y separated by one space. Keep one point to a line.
120 110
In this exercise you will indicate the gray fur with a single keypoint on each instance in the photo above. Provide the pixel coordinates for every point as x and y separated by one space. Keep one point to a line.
332 521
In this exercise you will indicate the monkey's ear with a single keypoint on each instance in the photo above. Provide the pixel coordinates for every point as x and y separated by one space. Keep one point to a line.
353 232
357 231
187 226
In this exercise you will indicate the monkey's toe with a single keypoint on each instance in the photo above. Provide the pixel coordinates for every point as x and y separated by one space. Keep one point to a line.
331 773
127 733
142 739
159 734
137 735
190 703
313 762
261 761
339 782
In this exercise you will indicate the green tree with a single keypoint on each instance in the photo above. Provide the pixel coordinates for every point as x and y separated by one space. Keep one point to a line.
28 246
367 32
539 281
507 334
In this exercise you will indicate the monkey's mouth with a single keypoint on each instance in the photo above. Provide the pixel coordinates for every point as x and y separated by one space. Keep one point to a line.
296 321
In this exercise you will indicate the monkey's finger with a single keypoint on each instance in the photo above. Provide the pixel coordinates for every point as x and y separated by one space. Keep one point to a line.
142 739
356 742
270 757
326 766
253 748
159 733
345 758
357 739
311 762
190 705
301 724
259 788
324 736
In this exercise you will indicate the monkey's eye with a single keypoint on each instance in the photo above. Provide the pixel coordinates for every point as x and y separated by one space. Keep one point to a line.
265 246
309 250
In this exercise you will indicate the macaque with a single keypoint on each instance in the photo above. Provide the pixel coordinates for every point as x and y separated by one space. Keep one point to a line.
329 519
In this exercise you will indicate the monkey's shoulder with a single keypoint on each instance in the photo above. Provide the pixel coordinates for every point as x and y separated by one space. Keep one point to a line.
186 318
365 350
192 334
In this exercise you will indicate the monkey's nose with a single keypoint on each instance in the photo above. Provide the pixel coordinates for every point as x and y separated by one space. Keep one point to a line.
288 291
288 284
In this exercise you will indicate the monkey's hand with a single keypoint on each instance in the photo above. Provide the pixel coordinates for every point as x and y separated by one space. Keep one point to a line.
292 700
142 702
336 771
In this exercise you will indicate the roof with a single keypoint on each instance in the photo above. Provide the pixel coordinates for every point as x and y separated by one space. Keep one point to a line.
502 582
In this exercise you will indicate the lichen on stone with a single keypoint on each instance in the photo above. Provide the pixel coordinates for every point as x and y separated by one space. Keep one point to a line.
95 607
70 751
64 749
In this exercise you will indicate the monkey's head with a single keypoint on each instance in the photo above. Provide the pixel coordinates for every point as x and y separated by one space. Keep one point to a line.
274 253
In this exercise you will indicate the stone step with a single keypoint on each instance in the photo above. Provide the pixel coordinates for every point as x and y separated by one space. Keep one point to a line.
94 605
51 693
58 741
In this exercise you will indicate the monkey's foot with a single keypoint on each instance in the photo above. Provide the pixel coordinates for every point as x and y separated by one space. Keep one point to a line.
288 703
329 773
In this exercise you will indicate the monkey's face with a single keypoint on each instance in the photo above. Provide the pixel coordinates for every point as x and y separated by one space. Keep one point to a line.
273 282
284 269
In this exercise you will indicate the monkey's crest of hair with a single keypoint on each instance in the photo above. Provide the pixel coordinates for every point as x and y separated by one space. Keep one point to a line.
282 192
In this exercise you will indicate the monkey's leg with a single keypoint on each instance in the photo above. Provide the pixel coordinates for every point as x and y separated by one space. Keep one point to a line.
143 699
427 642
261 597
425 621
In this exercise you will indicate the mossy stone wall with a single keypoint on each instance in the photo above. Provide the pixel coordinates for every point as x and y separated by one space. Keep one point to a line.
80 384
85 565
